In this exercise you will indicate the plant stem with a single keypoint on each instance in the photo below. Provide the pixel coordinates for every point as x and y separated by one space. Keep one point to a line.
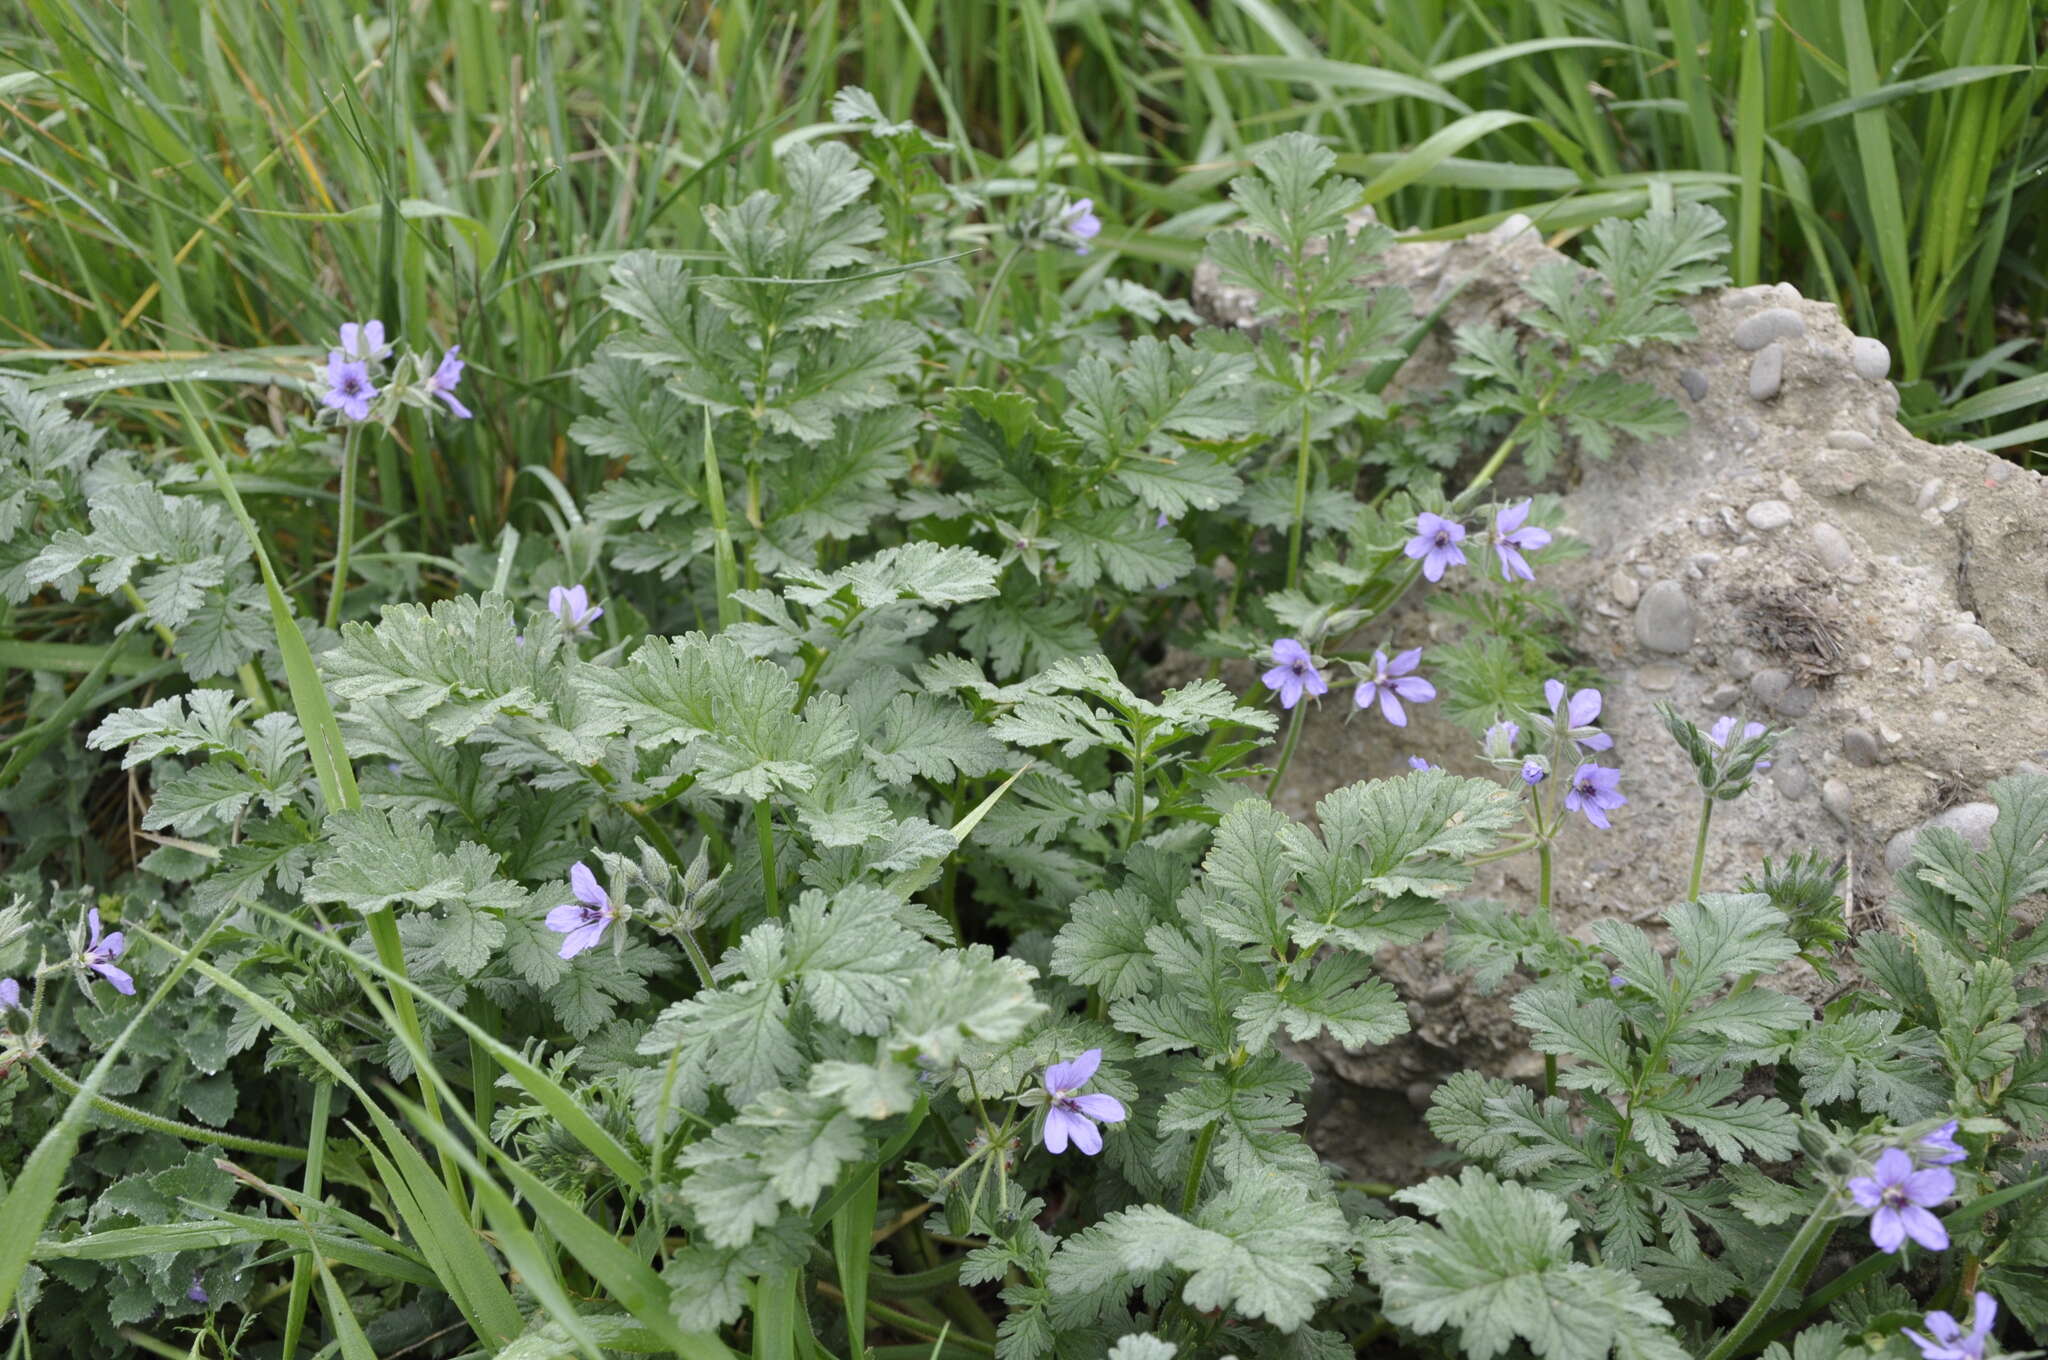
302 1267
995 289
1137 792
1300 503
764 832
1543 875
1196 1166
1788 1264
1699 850
345 530
1287 749
143 1119
698 961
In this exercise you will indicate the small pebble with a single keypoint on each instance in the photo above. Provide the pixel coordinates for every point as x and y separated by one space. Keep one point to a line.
1694 382
1871 360
1929 489
1775 690
1440 991
1831 546
1850 439
1791 778
1860 746
1625 588
1836 798
1658 678
1767 372
1664 618
1724 697
1772 323
1971 821
1767 516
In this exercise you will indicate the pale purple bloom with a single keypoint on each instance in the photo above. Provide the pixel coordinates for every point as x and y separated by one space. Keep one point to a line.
1392 682
1419 765
582 922
1512 536
1079 220
1617 982
100 954
571 604
441 382
1534 772
197 1293
1293 674
1162 521
1721 730
1500 739
1595 791
10 994
349 388
1582 711
365 343
1901 1197
1436 544
1940 1147
1950 1341
1073 1116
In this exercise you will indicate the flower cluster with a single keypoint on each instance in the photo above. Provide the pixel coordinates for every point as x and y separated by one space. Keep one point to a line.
1900 1197
1436 541
1389 682
353 368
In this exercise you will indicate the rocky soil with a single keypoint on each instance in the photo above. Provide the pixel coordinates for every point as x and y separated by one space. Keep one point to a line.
1795 555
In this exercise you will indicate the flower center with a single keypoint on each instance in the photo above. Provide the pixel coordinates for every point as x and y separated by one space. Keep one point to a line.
1894 1197
1442 539
1298 667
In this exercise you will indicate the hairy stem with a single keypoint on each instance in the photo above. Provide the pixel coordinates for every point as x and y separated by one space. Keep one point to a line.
764 833
345 529
1137 792
143 1119
1198 1164
1286 749
1788 1264
302 1267
1300 503
1699 851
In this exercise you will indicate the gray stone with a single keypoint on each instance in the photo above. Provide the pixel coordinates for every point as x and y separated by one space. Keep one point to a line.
1721 698
1776 690
1837 799
1971 821
1831 546
1871 360
1860 746
1694 382
1850 439
1772 323
1626 589
1664 618
1791 778
1767 372
1768 515
1659 678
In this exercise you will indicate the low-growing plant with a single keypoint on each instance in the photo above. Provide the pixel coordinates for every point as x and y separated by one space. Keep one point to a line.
830 899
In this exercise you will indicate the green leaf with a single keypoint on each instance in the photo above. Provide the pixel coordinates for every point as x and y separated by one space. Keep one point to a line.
1497 1266
1103 943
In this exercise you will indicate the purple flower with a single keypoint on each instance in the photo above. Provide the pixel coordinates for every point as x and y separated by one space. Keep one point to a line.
1900 1197
1949 1341
1940 1148
1293 674
1511 539
1595 791
1576 716
1419 765
197 1293
1721 730
441 382
100 954
10 994
1617 982
349 388
1071 1115
1500 739
1079 219
365 343
1162 521
582 922
1391 683
1534 772
1436 543
571 604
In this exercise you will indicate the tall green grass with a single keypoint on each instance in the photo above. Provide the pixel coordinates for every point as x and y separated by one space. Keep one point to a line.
209 187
